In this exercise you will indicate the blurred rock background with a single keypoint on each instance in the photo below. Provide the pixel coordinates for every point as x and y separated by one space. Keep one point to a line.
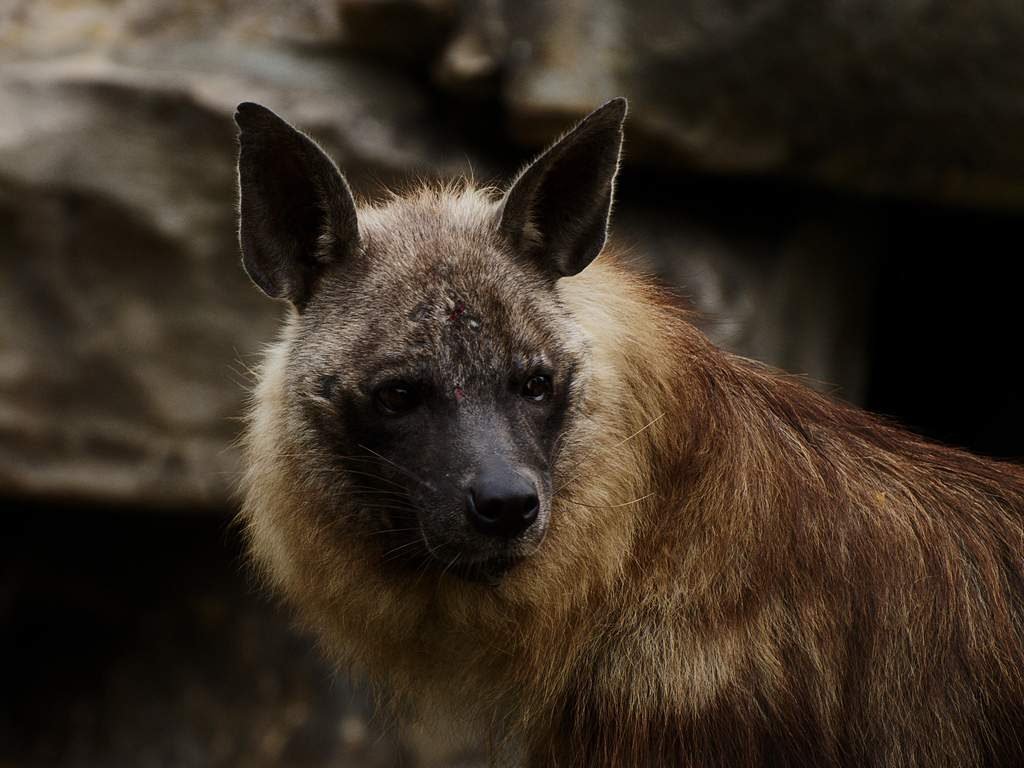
838 186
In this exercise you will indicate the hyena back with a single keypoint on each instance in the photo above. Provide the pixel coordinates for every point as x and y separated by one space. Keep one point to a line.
508 480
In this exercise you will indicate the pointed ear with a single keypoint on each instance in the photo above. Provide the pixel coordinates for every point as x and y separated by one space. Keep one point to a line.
557 210
296 212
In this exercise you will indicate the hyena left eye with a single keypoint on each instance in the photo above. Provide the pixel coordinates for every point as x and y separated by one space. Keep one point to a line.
397 398
537 388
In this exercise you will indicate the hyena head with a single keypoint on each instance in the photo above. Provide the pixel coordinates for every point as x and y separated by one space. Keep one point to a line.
430 369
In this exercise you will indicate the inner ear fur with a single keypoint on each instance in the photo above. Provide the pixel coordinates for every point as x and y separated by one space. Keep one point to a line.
296 211
558 209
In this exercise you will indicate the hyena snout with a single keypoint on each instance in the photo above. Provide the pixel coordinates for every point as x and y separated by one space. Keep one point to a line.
501 502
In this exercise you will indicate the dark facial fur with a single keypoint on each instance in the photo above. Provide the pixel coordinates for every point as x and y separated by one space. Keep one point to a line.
436 305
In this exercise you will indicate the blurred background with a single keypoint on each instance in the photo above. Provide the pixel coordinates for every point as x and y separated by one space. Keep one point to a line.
838 185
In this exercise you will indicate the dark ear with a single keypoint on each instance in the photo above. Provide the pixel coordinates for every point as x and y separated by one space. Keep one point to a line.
557 210
296 213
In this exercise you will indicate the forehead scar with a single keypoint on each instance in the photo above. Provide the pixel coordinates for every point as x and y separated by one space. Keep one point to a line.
458 310
459 394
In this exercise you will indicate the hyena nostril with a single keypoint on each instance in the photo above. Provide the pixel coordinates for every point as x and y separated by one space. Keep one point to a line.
502 504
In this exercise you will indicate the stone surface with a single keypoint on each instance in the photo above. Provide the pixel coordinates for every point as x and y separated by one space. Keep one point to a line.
899 97
406 30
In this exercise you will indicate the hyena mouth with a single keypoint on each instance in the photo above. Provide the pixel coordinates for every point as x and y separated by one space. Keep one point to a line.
410 555
488 572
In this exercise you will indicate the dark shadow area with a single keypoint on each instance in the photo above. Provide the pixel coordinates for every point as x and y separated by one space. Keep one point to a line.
137 640
945 339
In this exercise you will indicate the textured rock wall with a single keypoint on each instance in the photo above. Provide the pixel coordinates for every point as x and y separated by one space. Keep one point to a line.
904 97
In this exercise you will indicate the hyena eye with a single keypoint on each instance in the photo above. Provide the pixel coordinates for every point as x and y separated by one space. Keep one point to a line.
537 388
396 398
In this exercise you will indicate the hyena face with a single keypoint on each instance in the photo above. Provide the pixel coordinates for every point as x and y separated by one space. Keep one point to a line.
438 377
432 368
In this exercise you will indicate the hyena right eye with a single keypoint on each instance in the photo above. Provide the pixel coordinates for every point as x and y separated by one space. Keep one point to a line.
538 388
396 398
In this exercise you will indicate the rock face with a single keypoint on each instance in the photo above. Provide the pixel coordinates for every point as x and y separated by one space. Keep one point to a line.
898 97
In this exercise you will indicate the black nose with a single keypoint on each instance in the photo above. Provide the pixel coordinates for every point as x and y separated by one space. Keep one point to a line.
502 503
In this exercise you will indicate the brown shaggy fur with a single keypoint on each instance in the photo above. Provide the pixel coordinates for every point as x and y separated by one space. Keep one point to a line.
738 570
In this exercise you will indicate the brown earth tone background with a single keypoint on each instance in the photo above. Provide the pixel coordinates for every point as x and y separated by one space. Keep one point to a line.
838 186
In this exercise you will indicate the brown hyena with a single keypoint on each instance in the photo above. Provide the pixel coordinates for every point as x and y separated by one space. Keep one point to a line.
510 482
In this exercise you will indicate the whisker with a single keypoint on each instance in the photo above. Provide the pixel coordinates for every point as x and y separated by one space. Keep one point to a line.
375 477
364 459
365 490
399 467
333 456
619 444
423 570
371 459
430 549
387 507
609 506
447 568
389 555
389 531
